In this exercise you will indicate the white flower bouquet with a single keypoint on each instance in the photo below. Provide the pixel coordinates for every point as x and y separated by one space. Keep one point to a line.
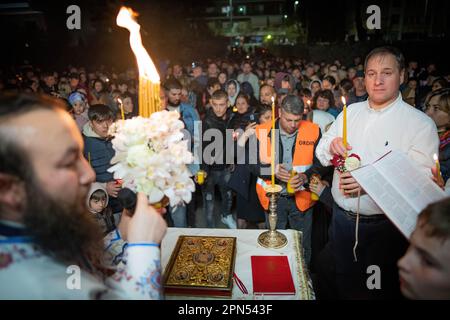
151 157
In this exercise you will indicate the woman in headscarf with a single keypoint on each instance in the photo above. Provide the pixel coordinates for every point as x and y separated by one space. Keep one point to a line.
232 88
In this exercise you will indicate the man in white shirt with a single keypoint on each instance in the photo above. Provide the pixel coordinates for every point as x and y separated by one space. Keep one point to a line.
380 124
50 247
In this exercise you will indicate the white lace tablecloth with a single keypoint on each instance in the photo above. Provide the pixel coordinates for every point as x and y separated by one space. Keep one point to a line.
247 245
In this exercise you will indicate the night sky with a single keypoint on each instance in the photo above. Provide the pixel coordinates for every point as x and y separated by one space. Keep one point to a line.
165 32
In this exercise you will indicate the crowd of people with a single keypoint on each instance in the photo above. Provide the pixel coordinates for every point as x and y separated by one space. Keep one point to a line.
65 169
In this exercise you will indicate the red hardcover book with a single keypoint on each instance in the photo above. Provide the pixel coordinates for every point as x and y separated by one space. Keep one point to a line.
272 275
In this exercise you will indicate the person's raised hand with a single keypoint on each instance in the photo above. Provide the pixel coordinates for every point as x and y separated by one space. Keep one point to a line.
298 180
146 225
337 147
113 188
437 179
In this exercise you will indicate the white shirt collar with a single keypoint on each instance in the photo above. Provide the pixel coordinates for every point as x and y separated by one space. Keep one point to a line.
385 109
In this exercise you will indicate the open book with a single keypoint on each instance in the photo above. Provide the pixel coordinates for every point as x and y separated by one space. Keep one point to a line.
399 187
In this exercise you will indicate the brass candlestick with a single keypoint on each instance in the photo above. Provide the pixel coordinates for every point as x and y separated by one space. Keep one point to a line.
272 238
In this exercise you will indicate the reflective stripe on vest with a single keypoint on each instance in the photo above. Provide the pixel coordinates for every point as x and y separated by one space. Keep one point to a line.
301 169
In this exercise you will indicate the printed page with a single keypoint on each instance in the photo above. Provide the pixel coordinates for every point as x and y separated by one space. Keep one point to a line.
400 188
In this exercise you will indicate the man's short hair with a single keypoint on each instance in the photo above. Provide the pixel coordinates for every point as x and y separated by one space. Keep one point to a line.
346 84
172 83
382 51
305 92
219 94
13 159
330 79
436 219
100 112
292 104
212 82
125 96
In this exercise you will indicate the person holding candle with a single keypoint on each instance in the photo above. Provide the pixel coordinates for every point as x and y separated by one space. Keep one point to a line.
294 148
248 209
438 109
126 106
306 96
374 127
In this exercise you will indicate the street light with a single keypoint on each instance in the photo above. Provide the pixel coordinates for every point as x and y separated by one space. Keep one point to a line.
295 6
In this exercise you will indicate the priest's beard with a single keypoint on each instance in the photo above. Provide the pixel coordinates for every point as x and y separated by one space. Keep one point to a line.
65 231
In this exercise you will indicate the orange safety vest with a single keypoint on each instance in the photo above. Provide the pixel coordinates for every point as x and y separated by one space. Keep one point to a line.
302 159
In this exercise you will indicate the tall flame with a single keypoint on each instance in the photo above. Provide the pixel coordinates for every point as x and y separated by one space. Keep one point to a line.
147 69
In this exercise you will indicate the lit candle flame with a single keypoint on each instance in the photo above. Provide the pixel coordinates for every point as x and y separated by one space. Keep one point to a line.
344 102
435 157
147 69
273 99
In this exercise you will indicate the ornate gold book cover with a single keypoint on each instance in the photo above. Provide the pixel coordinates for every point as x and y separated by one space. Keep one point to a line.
201 265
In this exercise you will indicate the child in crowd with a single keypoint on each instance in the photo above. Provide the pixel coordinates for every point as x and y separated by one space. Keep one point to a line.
79 105
98 206
425 268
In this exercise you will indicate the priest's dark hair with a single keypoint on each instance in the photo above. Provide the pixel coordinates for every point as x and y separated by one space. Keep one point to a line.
13 159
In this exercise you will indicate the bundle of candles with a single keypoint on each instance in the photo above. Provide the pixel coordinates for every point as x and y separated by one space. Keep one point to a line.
149 81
